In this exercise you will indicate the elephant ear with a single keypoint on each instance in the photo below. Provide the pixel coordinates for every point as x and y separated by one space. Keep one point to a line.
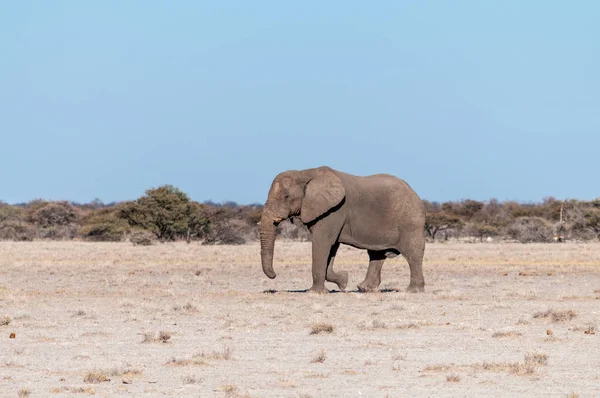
322 193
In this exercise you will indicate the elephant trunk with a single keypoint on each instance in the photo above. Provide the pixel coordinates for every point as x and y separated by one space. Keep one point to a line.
267 244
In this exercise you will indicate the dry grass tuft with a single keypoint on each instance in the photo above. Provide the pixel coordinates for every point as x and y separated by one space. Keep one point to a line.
528 367
453 378
5 320
375 324
23 393
195 361
410 325
96 376
222 355
187 379
588 329
320 358
160 337
536 358
124 372
79 313
556 316
232 391
573 395
510 333
189 307
74 390
439 368
321 328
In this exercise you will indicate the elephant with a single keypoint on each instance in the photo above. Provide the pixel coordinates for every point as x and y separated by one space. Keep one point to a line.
379 213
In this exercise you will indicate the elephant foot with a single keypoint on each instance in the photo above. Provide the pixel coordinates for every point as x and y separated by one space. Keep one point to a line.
365 288
318 290
416 287
342 280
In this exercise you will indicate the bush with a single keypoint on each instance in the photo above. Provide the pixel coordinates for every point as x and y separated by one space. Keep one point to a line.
58 232
18 232
104 225
531 229
230 232
141 237
164 210
294 230
54 214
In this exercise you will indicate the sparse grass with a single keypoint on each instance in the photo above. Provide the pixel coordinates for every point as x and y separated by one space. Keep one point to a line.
200 359
320 358
189 307
5 320
507 334
160 337
587 329
321 328
453 378
532 361
195 361
556 315
536 358
127 371
410 325
375 324
79 313
153 286
222 355
23 393
573 395
187 379
232 391
74 390
96 376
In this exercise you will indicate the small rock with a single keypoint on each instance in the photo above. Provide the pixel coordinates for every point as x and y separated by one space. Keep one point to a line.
549 332
12 336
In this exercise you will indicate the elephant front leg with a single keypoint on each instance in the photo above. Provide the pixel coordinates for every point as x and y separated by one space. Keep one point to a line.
320 259
373 277
339 278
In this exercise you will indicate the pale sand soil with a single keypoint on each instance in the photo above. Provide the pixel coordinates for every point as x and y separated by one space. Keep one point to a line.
80 307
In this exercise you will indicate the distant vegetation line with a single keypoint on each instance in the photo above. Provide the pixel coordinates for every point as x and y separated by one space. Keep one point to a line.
168 214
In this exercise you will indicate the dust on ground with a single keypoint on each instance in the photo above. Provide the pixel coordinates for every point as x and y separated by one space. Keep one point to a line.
111 319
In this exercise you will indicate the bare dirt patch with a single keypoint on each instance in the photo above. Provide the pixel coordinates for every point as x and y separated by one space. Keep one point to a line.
113 319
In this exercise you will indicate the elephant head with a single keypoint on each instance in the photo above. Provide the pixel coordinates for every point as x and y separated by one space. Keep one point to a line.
305 193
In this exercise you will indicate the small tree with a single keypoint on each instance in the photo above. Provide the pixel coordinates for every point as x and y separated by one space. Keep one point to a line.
441 221
483 230
163 211
198 223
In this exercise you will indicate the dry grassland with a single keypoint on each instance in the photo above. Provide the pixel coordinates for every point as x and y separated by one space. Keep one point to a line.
111 319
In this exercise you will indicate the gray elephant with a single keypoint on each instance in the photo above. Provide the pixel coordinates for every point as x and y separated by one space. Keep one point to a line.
380 213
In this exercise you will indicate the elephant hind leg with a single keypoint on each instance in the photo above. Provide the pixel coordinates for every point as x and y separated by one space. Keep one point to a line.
373 277
339 278
413 251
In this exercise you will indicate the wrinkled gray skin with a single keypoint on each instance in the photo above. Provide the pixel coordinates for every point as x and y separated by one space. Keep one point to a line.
379 213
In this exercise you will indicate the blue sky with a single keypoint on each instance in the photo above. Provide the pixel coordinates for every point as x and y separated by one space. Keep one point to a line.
465 99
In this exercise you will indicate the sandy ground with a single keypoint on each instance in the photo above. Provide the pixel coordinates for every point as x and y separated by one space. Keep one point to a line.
190 320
